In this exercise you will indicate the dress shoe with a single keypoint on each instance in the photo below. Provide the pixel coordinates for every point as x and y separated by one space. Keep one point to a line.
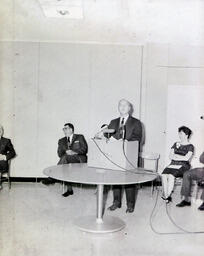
167 200
48 181
183 204
114 206
130 210
68 193
201 207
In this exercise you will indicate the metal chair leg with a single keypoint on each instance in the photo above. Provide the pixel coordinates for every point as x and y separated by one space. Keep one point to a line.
63 187
197 191
152 188
9 182
1 181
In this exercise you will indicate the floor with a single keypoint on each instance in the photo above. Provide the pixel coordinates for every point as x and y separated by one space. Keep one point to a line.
36 220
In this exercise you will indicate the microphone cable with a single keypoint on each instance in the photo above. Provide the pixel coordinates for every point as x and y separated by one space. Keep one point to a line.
182 230
124 153
131 171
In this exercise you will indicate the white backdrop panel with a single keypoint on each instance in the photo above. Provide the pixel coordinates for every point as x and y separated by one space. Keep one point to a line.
59 82
116 74
64 89
185 107
25 109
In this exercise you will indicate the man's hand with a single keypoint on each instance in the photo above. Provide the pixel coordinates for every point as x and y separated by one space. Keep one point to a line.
112 138
70 152
2 157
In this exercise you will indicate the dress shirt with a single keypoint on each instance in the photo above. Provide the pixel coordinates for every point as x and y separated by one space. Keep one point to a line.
125 119
70 139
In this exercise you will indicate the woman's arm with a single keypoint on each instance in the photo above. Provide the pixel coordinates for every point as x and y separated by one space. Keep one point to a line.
187 157
171 155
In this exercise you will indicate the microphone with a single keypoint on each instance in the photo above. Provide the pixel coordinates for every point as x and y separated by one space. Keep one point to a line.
106 130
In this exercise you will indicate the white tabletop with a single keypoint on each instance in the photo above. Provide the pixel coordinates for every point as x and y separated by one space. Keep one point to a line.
81 173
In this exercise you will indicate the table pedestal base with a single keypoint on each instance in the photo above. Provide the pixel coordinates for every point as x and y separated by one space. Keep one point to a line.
106 225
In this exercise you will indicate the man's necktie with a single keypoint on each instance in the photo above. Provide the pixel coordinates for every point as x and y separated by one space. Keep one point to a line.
121 128
122 122
68 142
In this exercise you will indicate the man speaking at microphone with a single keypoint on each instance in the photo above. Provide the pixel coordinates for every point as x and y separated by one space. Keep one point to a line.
129 128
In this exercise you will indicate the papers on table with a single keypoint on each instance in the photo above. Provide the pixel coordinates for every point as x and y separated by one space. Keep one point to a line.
173 166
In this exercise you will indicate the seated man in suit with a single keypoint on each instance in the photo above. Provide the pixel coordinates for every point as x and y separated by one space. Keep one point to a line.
133 132
71 149
7 152
193 174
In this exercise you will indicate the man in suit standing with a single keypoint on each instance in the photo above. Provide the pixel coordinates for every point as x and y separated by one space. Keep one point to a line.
7 152
133 132
71 149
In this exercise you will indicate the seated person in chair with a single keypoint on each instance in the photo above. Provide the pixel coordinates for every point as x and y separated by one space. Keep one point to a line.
196 174
180 156
71 149
7 152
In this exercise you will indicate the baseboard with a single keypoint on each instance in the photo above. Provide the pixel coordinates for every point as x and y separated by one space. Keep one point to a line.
39 179
26 179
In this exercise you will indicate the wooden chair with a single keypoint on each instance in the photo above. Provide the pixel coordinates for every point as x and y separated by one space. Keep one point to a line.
7 173
150 161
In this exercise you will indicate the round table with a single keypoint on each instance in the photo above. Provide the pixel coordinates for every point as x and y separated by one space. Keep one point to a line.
81 173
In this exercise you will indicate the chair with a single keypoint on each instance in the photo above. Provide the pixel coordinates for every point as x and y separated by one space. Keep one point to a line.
150 161
199 185
7 173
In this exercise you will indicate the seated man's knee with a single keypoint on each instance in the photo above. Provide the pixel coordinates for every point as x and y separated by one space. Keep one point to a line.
187 174
63 160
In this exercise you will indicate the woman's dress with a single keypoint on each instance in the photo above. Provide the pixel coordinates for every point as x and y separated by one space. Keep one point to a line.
177 168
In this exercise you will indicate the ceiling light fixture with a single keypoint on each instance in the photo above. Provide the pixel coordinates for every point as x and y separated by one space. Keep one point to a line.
63 12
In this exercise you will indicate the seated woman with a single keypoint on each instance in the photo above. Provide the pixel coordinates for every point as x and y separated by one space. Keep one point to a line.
180 156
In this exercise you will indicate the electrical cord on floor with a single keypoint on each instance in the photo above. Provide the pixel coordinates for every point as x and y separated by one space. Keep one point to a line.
182 230
179 227
151 220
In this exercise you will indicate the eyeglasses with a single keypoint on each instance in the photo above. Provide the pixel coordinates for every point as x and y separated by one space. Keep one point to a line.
66 128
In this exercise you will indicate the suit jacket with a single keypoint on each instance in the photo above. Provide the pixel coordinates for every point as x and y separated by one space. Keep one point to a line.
133 129
6 148
78 145
202 158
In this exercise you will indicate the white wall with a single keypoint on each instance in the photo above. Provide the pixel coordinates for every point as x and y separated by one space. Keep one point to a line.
185 107
43 85
167 65
54 83
32 73
6 85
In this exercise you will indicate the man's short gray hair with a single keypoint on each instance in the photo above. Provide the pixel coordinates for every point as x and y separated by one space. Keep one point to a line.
125 101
